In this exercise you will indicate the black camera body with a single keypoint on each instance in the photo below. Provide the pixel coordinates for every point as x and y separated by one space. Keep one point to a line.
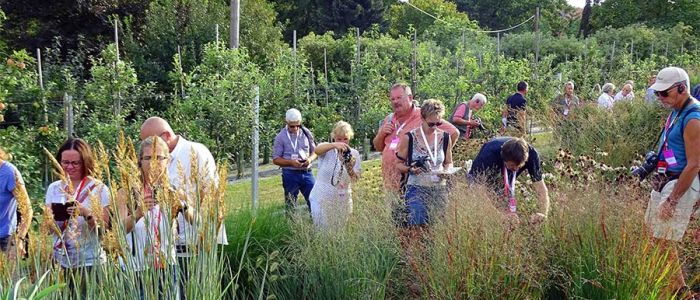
651 159
422 162
481 124
347 156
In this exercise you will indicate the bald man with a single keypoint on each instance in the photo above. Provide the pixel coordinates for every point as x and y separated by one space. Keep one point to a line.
181 153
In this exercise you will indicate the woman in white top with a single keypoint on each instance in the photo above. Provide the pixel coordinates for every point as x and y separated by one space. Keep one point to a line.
79 204
147 218
606 98
338 167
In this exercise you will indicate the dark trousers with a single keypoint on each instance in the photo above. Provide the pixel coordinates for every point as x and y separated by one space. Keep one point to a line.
183 264
295 181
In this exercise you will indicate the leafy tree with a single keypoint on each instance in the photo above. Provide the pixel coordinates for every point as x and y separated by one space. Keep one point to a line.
656 13
340 15
35 24
499 14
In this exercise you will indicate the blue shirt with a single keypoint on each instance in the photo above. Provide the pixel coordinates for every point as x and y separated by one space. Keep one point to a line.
675 138
8 203
293 146
515 103
489 163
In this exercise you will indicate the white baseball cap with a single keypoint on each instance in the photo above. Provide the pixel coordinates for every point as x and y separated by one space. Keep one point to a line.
669 76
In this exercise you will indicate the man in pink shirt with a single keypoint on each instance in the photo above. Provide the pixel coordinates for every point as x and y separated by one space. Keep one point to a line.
404 118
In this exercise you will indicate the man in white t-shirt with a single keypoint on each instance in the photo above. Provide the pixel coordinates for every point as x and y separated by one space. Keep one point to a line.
181 151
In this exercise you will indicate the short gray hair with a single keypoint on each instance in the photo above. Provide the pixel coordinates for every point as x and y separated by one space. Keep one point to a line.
405 87
293 115
608 87
571 83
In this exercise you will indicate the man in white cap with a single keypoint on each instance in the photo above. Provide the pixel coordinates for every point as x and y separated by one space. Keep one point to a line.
462 117
675 182
293 150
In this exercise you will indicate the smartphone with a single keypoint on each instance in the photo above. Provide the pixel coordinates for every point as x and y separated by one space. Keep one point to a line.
60 210
302 161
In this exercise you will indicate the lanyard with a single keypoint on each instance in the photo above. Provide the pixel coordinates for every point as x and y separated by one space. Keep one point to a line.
669 124
296 141
567 101
59 242
469 118
433 154
510 188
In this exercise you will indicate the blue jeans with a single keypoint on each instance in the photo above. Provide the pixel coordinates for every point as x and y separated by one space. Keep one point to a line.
295 181
424 204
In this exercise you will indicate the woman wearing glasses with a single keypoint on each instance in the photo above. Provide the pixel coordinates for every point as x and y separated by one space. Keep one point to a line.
146 213
424 153
79 204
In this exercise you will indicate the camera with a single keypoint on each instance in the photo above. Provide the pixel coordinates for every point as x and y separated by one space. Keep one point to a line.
347 156
651 159
422 163
481 124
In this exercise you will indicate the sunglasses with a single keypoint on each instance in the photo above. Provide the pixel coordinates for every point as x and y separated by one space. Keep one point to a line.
74 163
665 92
434 124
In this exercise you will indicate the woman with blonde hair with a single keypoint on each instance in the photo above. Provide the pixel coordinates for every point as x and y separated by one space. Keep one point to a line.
338 167
13 200
147 220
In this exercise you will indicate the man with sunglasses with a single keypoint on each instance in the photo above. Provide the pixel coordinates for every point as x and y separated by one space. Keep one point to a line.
676 184
293 151
405 116
497 165
183 152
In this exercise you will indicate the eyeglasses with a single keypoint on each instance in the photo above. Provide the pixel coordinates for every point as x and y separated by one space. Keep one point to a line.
293 126
158 157
74 163
434 124
665 92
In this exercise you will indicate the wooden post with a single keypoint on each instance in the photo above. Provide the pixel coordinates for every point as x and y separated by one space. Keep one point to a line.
179 69
325 72
414 80
235 23
216 32
46 112
537 32
256 148
358 101
68 115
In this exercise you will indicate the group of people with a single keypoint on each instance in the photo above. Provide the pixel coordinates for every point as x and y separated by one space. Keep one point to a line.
416 146
82 206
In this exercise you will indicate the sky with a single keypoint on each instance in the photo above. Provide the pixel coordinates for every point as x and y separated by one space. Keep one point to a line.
577 3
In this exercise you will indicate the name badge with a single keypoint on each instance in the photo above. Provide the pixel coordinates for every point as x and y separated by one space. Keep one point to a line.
394 143
670 158
295 156
512 205
566 111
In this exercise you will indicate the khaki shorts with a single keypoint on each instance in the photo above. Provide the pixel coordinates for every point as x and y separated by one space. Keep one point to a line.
675 227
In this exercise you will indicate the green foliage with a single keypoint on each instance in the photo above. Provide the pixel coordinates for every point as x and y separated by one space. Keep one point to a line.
220 88
624 133
404 19
658 13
